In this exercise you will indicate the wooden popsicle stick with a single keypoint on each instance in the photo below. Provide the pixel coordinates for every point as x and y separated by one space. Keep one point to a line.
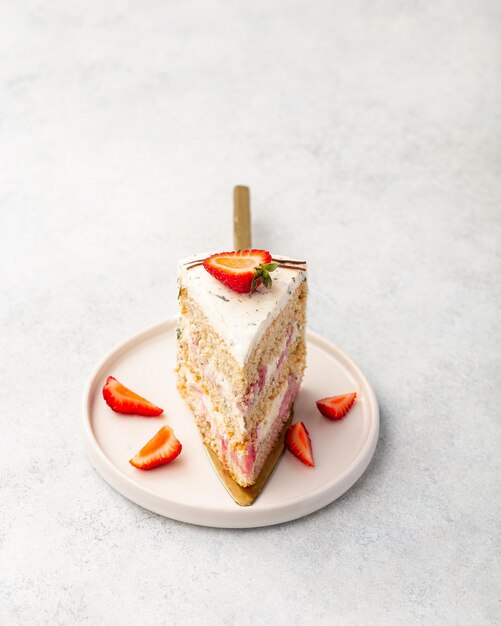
242 239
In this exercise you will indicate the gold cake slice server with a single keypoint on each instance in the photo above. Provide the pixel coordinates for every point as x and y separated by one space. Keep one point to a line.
244 496
242 239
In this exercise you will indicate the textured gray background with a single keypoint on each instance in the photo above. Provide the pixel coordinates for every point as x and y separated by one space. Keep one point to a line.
369 133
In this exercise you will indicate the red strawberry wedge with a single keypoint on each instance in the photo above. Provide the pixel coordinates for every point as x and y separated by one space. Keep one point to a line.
336 407
162 449
123 400
298 442
243 270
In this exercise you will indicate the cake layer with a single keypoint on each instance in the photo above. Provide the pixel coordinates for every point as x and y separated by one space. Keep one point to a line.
239 320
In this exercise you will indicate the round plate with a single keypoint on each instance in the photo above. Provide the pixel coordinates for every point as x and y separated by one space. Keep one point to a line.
188 489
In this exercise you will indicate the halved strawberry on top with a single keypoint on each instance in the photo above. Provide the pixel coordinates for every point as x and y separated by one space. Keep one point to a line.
243 270
123 400
161 449
336 407
298 442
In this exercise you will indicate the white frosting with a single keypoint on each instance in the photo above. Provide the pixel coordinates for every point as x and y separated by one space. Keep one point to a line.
239 319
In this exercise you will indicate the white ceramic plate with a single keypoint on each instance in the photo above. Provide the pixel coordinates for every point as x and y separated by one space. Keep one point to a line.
188 489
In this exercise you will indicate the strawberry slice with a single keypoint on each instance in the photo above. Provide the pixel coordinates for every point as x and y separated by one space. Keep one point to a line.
336 407
162 449
298 442
243 270
123 400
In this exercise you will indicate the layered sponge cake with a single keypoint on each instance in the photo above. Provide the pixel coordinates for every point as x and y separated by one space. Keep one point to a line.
241 356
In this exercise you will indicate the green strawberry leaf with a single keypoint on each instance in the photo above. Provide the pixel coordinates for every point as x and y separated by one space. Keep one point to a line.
266 279
270 267
254 282
262 274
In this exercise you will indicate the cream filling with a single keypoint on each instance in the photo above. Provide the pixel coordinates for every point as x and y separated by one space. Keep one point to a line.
267 423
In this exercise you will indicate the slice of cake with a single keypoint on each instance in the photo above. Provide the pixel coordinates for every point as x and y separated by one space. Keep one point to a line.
241 352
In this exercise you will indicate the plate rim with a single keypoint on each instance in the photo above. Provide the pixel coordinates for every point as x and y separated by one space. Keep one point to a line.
241 517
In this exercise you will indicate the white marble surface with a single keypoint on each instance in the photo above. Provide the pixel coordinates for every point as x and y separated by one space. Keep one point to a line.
369 133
